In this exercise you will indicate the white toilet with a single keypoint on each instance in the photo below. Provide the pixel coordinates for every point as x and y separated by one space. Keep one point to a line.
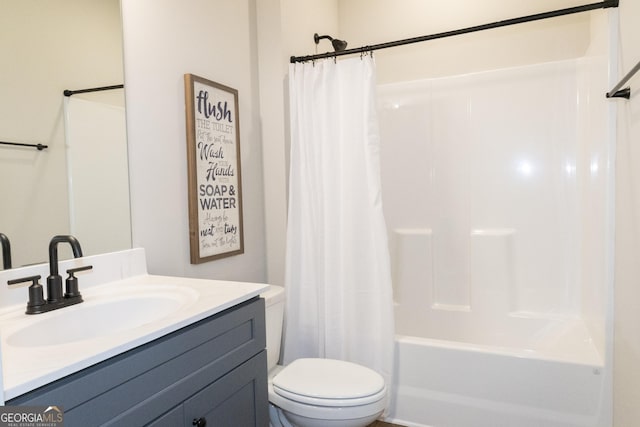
317 392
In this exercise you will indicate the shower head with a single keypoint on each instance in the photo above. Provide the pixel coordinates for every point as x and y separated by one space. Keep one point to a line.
338 45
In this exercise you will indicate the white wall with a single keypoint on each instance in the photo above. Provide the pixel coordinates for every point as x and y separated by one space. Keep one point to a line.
272 60
163 40
367 22
627 274
285 29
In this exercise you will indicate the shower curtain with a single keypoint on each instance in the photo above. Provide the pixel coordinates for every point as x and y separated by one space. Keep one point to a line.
338 280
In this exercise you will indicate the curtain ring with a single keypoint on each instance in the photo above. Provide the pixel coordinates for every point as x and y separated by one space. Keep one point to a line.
366 50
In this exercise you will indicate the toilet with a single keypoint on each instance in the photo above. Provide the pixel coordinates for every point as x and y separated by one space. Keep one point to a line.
317 392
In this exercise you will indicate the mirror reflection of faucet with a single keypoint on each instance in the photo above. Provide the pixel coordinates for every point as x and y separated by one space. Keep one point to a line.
6 251
55 298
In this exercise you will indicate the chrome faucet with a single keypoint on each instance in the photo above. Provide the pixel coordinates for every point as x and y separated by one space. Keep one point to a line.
55 299
6 251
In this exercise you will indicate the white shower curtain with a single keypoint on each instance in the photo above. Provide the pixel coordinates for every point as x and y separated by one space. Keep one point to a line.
338 281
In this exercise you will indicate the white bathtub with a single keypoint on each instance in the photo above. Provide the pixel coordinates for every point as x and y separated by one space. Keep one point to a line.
485 361
452 384
499 212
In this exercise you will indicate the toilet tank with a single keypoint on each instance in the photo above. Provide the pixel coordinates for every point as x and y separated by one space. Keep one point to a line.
274 313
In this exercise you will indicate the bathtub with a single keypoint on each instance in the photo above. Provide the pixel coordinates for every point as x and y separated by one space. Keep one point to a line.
499 217
488 360
454 384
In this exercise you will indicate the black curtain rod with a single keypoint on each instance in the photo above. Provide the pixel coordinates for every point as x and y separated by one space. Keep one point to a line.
539 16
68 92
617 92
39 147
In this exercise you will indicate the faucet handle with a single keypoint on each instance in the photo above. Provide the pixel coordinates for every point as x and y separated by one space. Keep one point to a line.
71 284
36 295
33 279
71 271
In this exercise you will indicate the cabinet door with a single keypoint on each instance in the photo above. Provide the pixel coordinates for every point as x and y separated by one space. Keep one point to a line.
240 398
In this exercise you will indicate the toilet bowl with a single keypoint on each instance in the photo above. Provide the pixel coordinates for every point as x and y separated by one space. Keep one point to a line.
317 392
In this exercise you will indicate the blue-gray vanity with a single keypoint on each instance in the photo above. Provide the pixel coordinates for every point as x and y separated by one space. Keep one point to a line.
193 355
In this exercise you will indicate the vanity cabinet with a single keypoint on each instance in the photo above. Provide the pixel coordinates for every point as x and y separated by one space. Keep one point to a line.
213 372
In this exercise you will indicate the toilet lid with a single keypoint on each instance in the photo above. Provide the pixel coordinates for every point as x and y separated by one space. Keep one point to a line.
329 382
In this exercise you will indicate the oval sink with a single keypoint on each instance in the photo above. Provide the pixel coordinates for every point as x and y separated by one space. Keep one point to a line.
100 315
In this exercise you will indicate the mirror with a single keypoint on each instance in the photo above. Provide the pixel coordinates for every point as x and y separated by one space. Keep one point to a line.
79 184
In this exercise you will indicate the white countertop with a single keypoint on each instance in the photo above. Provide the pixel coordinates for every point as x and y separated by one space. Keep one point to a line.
27 365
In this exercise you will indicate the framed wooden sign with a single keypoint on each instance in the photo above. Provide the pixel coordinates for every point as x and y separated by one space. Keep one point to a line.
213 162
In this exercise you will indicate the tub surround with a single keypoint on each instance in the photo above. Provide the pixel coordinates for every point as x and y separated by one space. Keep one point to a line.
502 258
24 364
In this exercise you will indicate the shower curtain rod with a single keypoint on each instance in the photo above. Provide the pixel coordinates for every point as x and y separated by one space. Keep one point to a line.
539 16
39 147
68 92
616 92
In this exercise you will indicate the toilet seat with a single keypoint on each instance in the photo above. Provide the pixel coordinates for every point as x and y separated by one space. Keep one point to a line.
326 412
329 383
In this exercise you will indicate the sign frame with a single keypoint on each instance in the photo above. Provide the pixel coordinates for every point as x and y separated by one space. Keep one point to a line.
214 170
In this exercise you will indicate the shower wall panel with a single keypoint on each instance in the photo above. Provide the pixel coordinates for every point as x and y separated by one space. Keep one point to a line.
485 181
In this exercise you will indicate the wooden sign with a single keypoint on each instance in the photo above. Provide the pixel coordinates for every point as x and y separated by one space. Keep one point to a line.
213 162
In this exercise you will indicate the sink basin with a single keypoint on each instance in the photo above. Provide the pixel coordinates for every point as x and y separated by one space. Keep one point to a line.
101 314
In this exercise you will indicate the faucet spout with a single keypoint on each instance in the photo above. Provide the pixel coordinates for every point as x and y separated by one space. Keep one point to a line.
53 251
54 281
6 251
